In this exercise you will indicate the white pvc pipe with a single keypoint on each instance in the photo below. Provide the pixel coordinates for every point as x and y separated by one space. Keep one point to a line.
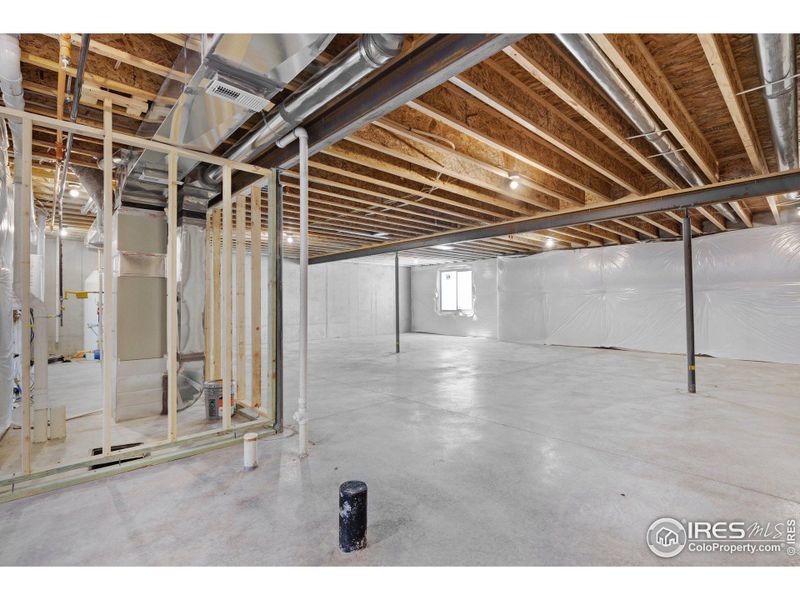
250 451
301 416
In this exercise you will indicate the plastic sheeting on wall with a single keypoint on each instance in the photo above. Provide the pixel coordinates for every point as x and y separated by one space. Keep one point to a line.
747 296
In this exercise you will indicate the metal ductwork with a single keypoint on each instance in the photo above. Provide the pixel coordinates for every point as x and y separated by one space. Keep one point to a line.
776 63
92 181
368 53
231 78
601 69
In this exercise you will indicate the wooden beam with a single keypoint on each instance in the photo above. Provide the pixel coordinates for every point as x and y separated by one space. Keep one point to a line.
544 61
127 58
352 155
720 59
497 88
117 86
432 143
459 110
437 159
628 54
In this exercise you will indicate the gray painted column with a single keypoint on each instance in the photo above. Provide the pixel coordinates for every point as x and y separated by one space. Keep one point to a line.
689 289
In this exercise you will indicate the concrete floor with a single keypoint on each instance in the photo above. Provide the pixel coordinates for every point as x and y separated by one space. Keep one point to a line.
78 385
475 451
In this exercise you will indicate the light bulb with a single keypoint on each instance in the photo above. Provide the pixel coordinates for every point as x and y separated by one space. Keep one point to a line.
513 184
549 242
289 239
63 232
74 193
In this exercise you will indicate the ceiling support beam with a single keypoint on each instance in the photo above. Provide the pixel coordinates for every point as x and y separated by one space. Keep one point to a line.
433 62
739 189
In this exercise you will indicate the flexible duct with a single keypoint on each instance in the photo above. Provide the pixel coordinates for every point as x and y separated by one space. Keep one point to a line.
776 63
597 64
364 56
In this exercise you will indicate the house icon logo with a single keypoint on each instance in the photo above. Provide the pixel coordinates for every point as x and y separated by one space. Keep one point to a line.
666 537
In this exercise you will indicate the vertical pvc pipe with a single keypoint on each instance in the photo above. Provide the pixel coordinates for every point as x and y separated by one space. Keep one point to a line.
108 289
302 412
227 267
689 290
274 299
172 298
23 205
250 451
397 302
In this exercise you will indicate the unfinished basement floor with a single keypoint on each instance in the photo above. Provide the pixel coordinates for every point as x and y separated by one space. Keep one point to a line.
476 452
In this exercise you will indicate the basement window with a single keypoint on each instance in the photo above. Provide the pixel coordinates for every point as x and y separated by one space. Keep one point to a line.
455 291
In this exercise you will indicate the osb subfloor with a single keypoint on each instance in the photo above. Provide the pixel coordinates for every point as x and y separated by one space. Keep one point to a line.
475 452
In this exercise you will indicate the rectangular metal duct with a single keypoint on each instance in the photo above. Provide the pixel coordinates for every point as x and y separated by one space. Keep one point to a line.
229 79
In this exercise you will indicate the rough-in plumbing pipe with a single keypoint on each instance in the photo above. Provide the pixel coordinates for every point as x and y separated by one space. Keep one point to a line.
301 416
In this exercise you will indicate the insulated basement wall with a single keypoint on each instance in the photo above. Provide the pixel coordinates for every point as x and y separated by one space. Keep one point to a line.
747 297
426 316
345 299
746 283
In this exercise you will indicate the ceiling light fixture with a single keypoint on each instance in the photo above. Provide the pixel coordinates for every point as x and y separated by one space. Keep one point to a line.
74 193
63 232
444 247
289 239
513 180
549 242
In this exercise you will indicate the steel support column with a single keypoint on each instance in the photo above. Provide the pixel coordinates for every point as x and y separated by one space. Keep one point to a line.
397 302
689 289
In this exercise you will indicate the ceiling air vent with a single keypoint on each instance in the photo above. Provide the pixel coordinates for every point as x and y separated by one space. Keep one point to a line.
236 95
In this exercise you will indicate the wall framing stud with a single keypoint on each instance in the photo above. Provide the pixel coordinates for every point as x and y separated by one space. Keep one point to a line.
108 289
25 290
227 296
241 354
255 294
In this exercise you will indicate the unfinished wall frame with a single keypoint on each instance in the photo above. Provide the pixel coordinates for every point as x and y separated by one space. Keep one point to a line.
174 446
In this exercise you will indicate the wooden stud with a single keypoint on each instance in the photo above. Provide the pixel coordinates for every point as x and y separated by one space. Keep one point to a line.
255 294
216 249
241 354
108 284
172 298
209 286
227 296
24 264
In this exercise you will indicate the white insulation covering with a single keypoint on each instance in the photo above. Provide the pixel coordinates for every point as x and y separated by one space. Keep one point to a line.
747 296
